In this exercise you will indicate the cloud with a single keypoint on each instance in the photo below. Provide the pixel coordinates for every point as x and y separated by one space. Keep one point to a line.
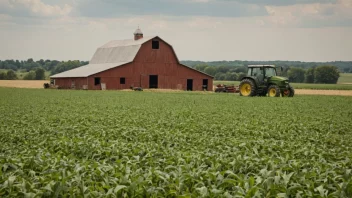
33 8
283 2
311 15
110 8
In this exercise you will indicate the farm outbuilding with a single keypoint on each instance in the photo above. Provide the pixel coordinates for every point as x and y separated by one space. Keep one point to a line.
147 62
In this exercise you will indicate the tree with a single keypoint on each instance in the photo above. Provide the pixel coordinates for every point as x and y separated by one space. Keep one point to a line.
39 74
29 76
242 69
201 67
64 66
296 74
220 76
3 76
210 70
11 75
41 62
231 76
309 75
240 76
223 69
326 74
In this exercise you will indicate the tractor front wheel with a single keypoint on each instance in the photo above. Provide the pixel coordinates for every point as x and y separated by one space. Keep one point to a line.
247 88
273 91
290 92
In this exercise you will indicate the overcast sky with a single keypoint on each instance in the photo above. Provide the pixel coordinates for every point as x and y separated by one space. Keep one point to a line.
207 30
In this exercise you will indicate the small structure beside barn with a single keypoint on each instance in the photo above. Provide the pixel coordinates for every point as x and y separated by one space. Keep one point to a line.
147 62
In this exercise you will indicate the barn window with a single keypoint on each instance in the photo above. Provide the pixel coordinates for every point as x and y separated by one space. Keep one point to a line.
155 44
97 81
122 81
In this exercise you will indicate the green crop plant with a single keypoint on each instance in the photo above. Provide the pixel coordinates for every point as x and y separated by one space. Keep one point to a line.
63 143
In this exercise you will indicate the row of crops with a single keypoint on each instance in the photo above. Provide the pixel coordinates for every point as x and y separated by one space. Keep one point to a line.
61 143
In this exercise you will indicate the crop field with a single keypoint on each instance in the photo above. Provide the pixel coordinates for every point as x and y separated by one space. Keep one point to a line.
345 78
63 143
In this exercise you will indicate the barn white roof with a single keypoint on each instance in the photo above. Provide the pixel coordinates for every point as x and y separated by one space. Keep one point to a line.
112 54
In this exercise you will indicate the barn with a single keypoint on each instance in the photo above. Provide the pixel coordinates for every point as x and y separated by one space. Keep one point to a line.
147 62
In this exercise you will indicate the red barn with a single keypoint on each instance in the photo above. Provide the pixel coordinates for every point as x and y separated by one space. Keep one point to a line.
147 62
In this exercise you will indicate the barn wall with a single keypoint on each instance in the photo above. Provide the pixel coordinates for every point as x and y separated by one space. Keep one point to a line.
112 77
162 62
66 83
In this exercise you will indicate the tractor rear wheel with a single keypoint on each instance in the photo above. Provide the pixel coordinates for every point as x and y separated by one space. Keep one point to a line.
247 88
290 92
273 91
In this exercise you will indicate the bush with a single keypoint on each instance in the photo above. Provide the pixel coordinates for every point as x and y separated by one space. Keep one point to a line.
29 76
39 74
326 74
11 75
296 74
2 76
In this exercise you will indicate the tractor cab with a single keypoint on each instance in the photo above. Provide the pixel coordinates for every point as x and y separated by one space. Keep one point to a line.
262 80
261 72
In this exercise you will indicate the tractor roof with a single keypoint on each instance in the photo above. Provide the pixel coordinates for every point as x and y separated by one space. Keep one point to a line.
273 66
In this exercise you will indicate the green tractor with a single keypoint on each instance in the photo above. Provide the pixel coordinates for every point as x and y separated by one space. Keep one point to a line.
261 80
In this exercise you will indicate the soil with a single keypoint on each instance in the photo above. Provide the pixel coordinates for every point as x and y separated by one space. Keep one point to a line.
39 84
323 92
23 83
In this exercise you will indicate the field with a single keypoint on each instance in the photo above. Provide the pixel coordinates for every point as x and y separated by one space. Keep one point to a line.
178 144
23 83
345 78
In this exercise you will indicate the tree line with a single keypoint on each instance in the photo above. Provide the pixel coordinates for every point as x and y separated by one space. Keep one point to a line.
296 71
35 70
299 72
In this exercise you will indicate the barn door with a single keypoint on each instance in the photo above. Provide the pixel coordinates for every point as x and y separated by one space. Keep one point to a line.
153 81
205 84
189 84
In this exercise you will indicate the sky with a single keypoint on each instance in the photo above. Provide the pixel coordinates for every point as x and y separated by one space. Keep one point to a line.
205 30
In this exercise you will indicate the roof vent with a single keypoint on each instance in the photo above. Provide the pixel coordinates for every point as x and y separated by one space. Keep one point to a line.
138 34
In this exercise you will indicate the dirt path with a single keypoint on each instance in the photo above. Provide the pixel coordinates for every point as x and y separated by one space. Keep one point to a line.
323 92
39 84
23 83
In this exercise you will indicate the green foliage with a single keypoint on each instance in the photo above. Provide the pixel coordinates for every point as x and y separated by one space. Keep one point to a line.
326 74
296 74
2 75
200 67
300 85
39 74
64 66
210 70
220 76
343 66
57 143
241 75
47 65
11 75
29 76
309 75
